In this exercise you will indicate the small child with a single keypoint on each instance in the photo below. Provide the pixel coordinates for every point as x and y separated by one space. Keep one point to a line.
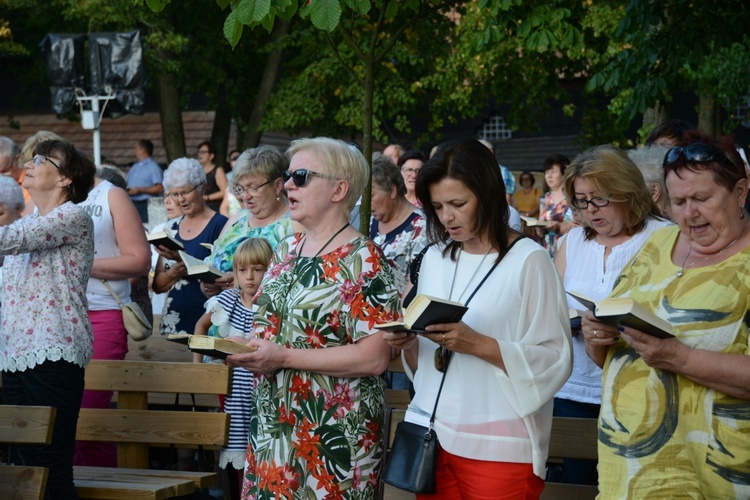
230 314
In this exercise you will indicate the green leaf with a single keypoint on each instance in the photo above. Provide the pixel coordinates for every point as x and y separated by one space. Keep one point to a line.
288 11
157 5
325 14
391 9
223 4
232 29
251 12
361 7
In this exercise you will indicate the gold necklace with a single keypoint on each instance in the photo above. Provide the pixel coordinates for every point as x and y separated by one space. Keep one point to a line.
690 251
455 271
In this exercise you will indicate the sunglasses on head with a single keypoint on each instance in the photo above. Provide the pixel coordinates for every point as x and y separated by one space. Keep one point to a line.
442 358
301 176
698 152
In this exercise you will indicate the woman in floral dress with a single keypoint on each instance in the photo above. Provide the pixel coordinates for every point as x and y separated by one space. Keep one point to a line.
319 394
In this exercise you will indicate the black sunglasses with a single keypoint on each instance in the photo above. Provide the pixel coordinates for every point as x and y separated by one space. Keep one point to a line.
302 175
698 152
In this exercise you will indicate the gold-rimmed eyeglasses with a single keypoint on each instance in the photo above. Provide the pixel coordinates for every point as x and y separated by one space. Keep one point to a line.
240 190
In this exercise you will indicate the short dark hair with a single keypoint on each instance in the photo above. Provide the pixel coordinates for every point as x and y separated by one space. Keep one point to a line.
74 164
147 146
470 162
385 174
669 129
556 159
210 147
526 173
726 173
412 154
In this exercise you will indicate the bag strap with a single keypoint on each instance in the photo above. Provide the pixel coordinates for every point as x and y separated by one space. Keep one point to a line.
449 354
112 291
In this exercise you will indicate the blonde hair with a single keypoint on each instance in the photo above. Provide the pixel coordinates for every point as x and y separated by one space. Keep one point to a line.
27 152
251 252
340 160
616 178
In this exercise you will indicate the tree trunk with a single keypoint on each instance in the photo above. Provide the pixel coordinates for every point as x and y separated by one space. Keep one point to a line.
364 210
267 84
709 116
172 133
220 131
654 116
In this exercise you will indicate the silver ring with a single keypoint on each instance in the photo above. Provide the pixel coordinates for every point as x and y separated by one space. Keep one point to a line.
596 334
443 337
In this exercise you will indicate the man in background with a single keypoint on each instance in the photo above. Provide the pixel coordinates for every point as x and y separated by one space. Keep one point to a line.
9 152
144 178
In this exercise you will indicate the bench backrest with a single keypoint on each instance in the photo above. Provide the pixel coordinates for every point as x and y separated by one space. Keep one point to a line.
133 426
25 425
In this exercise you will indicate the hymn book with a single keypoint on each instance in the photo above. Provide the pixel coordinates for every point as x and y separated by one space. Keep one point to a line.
617 311
164 239
424 311
211 346
533 221
199 269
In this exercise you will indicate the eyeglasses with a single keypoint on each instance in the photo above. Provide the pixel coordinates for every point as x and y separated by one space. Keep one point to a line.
442 358
583 203
39 159
203 151
410 171
240 190
698 152
300 177
174 196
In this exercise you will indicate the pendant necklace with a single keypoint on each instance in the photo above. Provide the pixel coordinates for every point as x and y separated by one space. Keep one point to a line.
455 271
690 251
299 252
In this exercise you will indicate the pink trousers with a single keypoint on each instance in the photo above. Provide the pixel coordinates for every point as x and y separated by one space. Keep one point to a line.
110 342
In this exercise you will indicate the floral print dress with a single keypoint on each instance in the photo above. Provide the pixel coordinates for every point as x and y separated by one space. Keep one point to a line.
314 435
402 245
551 211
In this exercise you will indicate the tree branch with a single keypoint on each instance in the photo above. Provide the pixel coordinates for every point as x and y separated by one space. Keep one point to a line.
416 17
332 43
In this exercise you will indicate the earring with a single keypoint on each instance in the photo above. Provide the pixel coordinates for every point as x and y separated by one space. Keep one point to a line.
742 213
278 198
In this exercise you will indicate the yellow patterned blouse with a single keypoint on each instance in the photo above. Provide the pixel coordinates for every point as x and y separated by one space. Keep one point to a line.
660 434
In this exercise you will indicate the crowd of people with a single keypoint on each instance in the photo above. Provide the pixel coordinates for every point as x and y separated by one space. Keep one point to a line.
665 225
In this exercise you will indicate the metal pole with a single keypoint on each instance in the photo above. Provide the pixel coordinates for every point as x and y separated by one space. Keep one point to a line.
97 135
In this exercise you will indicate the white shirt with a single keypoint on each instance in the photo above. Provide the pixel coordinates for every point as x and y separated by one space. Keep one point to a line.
484 412
585 272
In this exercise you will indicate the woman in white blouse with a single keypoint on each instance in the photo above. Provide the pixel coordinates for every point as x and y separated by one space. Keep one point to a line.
45 339
617 217
510 353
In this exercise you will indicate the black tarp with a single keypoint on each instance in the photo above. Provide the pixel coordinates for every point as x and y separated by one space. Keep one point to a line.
116 62
64 64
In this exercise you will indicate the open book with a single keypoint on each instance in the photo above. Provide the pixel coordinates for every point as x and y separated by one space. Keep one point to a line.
424 311
628 312
199 269
210 346
533 221
164 239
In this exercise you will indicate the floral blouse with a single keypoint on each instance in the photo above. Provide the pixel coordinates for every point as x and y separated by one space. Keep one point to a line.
46 271
551 211
315 435
222 255
401 246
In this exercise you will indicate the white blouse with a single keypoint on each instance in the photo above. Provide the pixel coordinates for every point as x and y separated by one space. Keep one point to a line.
586 272
484 412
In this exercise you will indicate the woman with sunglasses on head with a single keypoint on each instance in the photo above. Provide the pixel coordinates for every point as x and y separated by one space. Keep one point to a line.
618 215
185 181
320 394
258 184
45 338
674 420
509 355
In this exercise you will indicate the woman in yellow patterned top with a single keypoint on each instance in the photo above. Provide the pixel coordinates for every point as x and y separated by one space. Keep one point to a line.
675 416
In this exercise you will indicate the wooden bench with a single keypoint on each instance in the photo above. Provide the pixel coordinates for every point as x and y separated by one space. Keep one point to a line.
25 425
570 438
135 427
